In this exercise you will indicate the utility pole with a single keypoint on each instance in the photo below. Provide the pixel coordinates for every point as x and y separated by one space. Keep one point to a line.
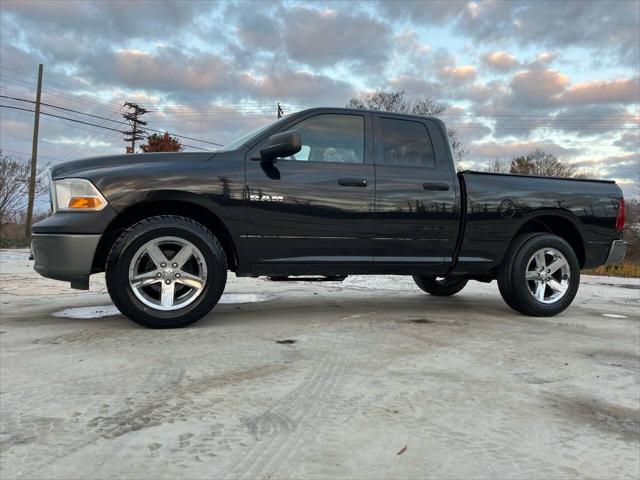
280 112
34 156
133 117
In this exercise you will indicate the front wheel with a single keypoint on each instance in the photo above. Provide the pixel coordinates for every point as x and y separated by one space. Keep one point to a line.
539 275
439 286
166 272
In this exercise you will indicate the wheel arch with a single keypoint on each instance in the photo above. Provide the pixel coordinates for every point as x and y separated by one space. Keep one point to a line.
563 224
166 203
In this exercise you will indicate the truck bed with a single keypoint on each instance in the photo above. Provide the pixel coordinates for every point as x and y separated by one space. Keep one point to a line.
496 207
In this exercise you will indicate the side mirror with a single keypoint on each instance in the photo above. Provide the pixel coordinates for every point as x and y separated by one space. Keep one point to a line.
282 144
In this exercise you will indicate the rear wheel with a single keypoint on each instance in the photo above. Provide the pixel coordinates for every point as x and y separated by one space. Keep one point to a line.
439 286
166 272
540 275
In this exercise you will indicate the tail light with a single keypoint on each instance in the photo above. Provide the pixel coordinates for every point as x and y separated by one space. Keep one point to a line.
620 218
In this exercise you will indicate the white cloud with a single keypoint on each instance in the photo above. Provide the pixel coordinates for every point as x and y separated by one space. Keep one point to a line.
500 61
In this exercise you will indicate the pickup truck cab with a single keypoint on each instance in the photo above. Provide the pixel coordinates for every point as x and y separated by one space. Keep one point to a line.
325 191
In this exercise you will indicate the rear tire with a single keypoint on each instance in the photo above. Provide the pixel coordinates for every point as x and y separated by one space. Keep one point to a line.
539 275
439 286
166 271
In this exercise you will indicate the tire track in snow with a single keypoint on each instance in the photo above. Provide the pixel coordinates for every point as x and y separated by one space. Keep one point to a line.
290 422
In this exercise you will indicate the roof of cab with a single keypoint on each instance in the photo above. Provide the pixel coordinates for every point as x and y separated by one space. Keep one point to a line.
361 110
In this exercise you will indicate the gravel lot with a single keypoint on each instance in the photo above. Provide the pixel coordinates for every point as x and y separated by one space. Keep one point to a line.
369 378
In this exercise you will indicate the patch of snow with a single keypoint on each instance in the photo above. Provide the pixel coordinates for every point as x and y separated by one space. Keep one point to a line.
14 255
244 298
88 312
101 311
613 315
380 282
608 281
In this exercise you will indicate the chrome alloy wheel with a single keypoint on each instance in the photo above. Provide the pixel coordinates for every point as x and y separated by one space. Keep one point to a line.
167 273
548 275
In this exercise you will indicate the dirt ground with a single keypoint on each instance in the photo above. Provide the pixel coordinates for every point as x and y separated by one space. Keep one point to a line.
369 378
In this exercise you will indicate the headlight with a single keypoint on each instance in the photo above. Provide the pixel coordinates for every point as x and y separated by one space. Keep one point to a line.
76 194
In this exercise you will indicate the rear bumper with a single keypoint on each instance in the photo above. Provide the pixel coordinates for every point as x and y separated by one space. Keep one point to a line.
66 257
617 252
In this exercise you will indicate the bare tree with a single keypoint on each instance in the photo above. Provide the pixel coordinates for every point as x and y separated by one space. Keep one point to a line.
398 102
382 102
497 166
540 163
14 186
632 212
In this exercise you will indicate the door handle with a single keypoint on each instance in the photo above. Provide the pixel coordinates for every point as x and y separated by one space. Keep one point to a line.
352 182
438 187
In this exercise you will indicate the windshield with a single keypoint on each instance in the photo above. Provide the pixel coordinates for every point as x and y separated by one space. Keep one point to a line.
245 138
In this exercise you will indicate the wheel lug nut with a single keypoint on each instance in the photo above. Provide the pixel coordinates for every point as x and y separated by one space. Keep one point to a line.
163 265
177 275
175 265
167 281
158 275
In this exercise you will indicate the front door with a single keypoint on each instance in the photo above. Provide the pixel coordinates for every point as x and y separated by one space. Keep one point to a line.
314 209
416 221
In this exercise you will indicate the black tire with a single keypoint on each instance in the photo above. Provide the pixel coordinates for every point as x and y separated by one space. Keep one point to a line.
503 285
439 286
126 246
513 285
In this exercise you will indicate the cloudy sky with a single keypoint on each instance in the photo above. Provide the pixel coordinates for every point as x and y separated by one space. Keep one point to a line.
563 76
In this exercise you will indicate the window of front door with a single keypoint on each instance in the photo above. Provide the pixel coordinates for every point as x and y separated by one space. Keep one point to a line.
331 138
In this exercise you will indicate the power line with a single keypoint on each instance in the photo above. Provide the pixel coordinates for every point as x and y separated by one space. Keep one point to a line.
511 126
267 106
73 125
3 134
66 87
188 138
74 150
233 108
211 110
28 154
110 120
87 123
64 118
58 91
64 108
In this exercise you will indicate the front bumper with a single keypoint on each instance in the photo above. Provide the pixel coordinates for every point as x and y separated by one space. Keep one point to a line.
617 252
67 257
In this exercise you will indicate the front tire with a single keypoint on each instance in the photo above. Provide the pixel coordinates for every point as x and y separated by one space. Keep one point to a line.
166 271
439 286
539 275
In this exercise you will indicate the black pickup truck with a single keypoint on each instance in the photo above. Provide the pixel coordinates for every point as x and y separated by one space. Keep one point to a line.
328 192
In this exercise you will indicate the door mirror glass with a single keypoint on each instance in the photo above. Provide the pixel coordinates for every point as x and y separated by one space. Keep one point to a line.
282 144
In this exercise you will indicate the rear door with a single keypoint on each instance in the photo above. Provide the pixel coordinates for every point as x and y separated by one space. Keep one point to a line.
416 219
316 207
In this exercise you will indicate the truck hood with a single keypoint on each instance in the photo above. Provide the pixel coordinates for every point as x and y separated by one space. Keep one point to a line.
73 167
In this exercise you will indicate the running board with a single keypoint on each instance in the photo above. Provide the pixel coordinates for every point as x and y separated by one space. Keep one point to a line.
307 278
